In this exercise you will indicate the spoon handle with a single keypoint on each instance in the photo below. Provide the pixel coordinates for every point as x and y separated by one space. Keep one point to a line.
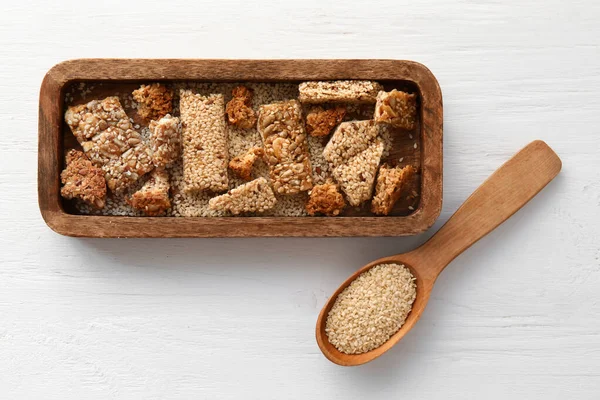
508 189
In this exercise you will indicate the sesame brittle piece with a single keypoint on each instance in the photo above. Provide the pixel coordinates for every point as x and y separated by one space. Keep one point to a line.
396 108
110 142
239 108
325 199
339 91
154 101
82 180
286 149
391 182
204 134
165 140
153 198
320 122
254 196
349 139
357 176
242 165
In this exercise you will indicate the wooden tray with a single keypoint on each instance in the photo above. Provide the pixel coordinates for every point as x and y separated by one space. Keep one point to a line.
133 71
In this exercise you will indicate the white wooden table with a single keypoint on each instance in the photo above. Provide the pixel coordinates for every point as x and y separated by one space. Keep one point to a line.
517 316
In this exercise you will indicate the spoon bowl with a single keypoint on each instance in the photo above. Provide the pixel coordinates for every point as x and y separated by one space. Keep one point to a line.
507 190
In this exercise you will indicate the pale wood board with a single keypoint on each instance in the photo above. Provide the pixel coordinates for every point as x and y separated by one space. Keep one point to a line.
515 317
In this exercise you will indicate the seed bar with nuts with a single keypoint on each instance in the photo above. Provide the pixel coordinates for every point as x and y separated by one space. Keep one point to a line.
110 142
357 175
165 140
286 149
339 91
391 182
396 108
204 134
153 198
254 196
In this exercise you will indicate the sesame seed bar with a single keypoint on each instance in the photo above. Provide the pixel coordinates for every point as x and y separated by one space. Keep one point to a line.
391 182
357 175
349 139
110 142
204 134
339 91
82 180
254 196
396 108
286 149
153 198
165 140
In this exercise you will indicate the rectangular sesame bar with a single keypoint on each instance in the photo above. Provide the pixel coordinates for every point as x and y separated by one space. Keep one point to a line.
356 176
286 148
205 152
108 139
254 196
396 108
349 139
339 91
153 198
391 182
165 140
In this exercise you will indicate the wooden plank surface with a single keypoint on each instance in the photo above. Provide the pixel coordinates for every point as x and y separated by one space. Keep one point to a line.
515 317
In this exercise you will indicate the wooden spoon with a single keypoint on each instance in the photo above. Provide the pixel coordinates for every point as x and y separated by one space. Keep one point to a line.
499 197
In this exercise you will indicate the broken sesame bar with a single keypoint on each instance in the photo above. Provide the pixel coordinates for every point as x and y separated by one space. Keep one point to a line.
82 180
396 108
325 199
165 140
204 136
391 182
153 198
154 101
254 196
110 142
239 108
286 150
356 176
339 91
242 164
320 122
349 139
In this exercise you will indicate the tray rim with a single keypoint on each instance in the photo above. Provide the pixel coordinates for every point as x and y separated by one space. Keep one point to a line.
104 69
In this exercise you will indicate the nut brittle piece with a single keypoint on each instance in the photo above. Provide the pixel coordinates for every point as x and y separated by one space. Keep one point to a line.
339 91
242 165
153 198
396 108
154 101
286 149
82 180
204 135
110 142
325 199
391 182
357 175
320 122
254 196
165 140
239 108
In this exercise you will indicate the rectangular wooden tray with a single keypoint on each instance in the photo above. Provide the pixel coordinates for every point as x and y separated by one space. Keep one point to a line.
127 71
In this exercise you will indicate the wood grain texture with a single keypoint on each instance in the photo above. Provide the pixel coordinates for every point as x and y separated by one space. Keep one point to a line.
50 150
506 191
514 317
